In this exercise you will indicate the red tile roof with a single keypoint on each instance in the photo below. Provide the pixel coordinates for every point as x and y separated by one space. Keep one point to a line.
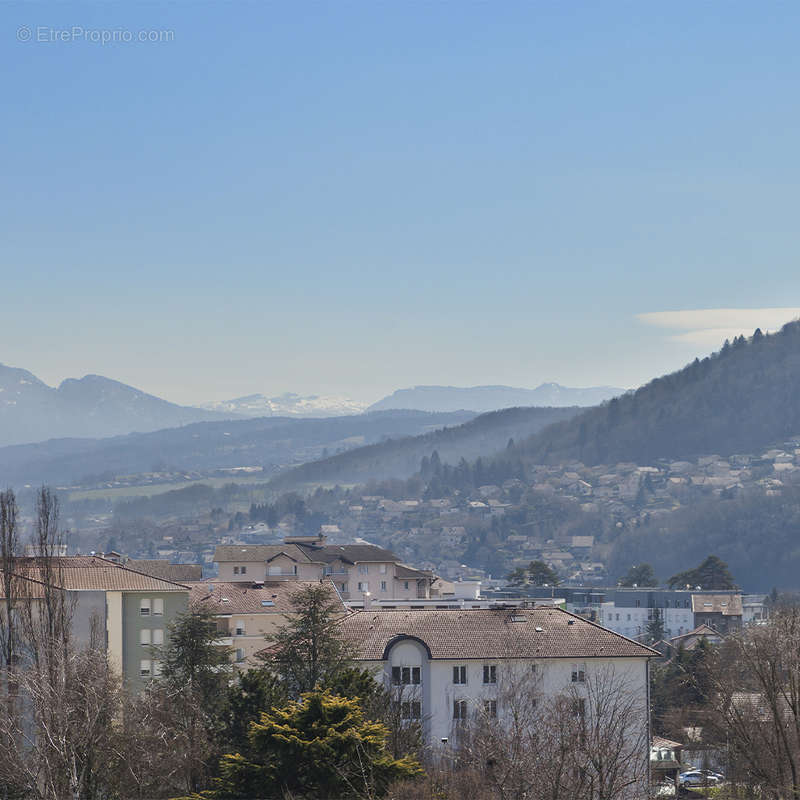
494 633
246 598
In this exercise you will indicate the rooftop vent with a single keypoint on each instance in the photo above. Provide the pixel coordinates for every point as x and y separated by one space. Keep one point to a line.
267 603
226 600
518 618
570 622
538 629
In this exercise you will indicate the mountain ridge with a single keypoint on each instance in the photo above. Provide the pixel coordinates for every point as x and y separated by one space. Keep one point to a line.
493 397
89 407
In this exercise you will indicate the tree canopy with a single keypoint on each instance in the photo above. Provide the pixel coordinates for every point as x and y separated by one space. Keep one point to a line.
309 650
537 573
713 573
639 575
319 746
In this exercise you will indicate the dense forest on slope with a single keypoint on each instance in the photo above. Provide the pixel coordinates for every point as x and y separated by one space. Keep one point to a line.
756 534
739 399
269 442
400 458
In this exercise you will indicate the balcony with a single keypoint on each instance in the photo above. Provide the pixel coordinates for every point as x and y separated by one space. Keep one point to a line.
281 576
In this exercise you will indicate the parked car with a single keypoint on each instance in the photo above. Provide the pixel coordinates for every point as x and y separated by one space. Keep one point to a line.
698 777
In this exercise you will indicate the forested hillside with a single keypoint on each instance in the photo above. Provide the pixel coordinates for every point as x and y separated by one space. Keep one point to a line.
756 534
400 458
270 442
739 399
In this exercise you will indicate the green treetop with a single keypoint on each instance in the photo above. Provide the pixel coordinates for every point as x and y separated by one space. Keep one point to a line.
639 575
319 746
713 573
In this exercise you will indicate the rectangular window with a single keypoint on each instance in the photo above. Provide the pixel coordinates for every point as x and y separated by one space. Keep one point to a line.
344 587
158 636
239 654
490 708
236 570
144 636
144 607
158 606
579 708
411 710
459 709
363 569
383 586
145 667
460 674
579 673
244 570
405 584
240 627
363 586
156 668
405 676
489 673
383 569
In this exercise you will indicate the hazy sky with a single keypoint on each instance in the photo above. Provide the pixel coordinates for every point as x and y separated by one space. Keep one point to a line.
352 197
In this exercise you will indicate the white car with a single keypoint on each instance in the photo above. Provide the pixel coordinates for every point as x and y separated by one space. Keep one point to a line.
698 777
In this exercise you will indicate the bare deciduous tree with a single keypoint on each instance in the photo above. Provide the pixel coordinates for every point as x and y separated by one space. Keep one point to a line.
756 706
588 742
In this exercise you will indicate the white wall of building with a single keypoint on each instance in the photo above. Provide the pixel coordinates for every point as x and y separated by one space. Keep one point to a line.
437 691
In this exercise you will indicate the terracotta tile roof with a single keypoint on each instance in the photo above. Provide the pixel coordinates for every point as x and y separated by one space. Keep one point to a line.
258 552
159 568
725 604
92 573
661 742
246 598
323 554
354 553
493 633
402 571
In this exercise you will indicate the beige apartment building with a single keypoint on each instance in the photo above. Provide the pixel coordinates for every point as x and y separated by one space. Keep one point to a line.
247 611
358 571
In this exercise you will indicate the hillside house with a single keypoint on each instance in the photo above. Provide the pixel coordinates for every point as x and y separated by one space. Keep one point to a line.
356 570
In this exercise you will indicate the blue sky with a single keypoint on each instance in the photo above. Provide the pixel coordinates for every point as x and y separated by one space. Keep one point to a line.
347 198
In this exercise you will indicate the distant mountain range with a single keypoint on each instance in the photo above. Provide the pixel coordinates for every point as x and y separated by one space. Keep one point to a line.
268 442
94 406
492 398
287 405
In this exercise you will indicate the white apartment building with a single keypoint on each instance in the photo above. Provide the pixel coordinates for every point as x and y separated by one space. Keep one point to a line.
681 610
449 665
